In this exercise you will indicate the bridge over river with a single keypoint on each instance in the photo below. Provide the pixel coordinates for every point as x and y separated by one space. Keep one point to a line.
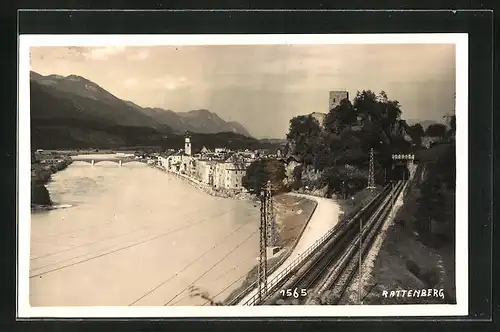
120 160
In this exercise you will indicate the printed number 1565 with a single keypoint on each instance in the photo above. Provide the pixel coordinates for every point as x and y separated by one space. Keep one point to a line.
296 293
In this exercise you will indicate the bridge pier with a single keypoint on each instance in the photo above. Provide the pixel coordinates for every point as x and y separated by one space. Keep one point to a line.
92 162
120 163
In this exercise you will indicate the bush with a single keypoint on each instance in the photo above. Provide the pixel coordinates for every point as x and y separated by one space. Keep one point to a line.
39 194
263 170
435 203
297 177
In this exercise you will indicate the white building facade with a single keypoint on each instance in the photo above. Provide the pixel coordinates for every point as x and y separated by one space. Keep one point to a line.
229 175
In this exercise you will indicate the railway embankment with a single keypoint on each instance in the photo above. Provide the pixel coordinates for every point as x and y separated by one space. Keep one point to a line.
417 252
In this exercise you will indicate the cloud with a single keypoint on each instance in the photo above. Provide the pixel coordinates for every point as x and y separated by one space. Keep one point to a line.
139 56
130 82
103 53
262 86
170 82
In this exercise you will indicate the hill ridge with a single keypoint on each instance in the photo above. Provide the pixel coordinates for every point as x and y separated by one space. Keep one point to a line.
75 86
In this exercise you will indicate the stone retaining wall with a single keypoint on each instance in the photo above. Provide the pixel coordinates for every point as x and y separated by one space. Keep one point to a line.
225 193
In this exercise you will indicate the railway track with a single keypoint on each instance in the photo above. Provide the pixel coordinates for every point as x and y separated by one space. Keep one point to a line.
298 263
332 288
303 281
332 263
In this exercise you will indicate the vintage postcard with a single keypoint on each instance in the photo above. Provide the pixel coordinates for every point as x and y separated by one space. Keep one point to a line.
243 175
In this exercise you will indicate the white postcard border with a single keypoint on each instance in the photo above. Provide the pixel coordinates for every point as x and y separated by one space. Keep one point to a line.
24 310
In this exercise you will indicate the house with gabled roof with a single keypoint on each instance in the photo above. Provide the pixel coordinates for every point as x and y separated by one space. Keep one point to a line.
204 150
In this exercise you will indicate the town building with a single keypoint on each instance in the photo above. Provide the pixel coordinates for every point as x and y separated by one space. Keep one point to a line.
229 173
228 176
220 150
222 170
204 150
204 171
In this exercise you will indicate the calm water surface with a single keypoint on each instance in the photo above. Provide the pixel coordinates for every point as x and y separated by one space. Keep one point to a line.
134 235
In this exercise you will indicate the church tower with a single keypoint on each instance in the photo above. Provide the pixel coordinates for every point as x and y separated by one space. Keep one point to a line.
187 145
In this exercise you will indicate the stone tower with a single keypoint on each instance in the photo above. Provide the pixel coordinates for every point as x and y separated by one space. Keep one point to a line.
336 97
187 145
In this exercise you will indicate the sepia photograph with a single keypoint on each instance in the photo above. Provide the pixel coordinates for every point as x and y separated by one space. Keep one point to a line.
243 175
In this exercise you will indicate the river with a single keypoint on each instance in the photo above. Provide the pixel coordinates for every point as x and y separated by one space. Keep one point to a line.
133 235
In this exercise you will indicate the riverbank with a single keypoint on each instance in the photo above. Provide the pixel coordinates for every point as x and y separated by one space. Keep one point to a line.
41 174
223 193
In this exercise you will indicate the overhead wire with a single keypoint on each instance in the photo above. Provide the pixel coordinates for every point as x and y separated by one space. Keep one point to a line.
211 268
227 287
189 265
114 251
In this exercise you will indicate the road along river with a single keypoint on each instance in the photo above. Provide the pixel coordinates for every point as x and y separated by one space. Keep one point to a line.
133 235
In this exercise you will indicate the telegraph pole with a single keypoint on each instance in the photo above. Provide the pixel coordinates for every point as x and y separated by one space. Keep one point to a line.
360 259
371 185
371 171
262 270
272 235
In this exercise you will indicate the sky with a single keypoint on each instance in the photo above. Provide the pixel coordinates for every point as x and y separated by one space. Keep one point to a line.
263 86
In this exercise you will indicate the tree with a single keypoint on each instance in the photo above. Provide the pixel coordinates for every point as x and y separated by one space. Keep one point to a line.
303 135
436 130
341 180
392 113
263 170
417 132
382 114
331 149
451 121
365 104
453 125
323 150
340 117
417 129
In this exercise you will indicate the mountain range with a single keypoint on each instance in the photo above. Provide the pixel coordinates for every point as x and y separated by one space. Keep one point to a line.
423 123
75 109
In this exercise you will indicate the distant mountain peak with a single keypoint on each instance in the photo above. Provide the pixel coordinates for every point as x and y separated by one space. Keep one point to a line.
60 77
123 111
201 110
196 112
76 78
423 123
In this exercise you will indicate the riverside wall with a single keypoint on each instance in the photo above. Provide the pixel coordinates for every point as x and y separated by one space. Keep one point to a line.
224 193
